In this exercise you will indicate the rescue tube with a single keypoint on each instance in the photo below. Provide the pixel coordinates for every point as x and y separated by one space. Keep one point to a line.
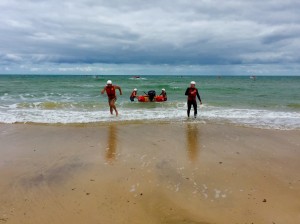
145 98
159 99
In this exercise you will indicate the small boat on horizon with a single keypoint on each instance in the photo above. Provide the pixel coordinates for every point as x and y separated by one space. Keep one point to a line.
136 76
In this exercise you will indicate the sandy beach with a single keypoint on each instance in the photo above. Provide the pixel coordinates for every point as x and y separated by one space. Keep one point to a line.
148 173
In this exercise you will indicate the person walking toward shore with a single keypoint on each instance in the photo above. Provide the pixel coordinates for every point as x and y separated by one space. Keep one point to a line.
192 93
112 96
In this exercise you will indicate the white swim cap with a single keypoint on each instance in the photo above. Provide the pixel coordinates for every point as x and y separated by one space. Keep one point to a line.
193 82
135 89
109 82
163 89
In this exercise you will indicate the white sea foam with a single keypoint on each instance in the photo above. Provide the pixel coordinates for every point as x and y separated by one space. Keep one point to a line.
248 117
254 117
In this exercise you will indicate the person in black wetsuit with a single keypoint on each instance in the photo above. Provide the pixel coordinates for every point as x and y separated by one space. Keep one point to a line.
164 94
133 95
192 93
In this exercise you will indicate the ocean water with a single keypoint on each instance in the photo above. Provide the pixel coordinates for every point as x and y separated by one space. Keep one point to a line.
264 102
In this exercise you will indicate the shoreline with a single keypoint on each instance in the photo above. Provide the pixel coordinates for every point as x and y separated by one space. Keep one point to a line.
182 121
148 173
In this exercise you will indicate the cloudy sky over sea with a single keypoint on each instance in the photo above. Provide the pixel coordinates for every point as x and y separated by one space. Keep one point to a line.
199 37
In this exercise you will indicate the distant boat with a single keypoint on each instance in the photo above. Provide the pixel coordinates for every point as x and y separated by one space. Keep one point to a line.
253 77
136 77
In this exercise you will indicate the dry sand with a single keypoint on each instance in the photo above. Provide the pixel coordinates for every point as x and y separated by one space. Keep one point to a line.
148 173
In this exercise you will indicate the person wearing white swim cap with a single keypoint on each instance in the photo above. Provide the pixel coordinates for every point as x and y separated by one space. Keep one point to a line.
192 93
110 90
164 94
133 95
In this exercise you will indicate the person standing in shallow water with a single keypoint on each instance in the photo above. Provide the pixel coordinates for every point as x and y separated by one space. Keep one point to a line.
164 94
192 93
133 95
112 96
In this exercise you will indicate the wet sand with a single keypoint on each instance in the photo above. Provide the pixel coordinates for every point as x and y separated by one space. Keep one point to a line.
148 173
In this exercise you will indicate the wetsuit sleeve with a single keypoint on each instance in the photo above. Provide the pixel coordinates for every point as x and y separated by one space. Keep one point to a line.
187 92
198 95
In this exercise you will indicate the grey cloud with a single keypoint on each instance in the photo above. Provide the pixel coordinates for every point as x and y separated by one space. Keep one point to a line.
149 32
282 34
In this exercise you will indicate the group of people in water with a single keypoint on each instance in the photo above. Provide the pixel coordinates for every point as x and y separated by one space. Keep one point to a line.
191 92
163 94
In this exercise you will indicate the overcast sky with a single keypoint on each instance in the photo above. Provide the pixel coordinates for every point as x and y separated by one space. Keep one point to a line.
233 37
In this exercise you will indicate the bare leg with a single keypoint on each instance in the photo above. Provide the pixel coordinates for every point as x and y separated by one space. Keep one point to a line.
110 103
113 107
116 110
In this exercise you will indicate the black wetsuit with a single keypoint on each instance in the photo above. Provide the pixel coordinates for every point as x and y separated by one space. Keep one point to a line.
192 93
132 96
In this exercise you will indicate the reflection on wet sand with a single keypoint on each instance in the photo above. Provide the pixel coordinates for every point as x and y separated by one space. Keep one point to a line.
192 135
111 143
